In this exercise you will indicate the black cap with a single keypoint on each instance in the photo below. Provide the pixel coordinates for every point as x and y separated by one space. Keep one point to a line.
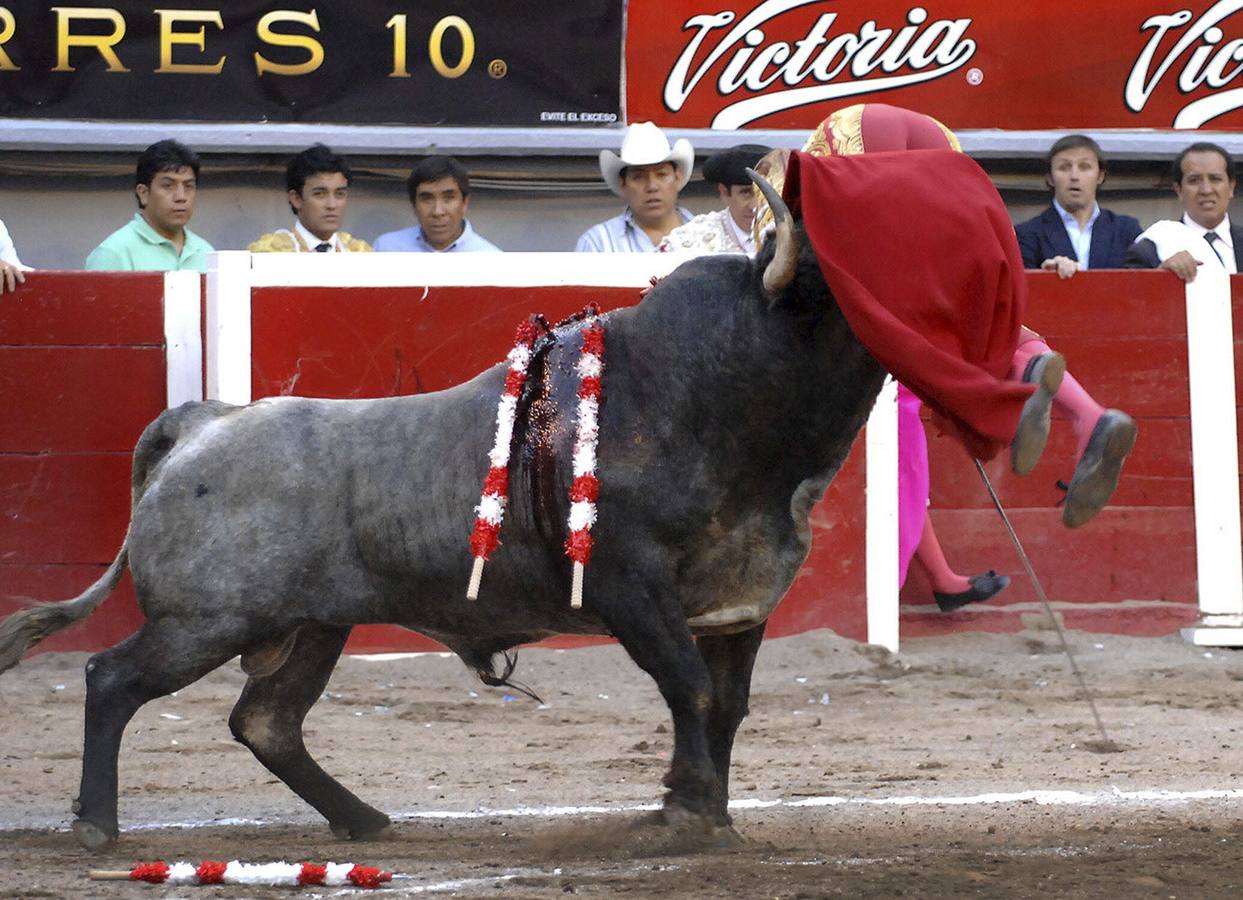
729 166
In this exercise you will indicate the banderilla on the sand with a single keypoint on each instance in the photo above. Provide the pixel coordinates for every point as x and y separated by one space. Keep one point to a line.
278 874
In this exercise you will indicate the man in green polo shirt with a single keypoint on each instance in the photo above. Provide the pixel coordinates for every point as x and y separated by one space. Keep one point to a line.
157 238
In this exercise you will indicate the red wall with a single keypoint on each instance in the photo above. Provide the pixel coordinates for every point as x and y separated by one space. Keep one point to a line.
1124 336
82 371
81 375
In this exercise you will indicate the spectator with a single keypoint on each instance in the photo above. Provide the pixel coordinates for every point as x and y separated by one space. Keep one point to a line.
647 174
1203 176
11 267
318 185
727 230
439 191
157 239
1074 233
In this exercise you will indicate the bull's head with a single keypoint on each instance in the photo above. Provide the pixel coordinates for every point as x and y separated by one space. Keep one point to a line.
781 269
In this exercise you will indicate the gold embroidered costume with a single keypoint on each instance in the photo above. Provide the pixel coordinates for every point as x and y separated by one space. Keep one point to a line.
284 240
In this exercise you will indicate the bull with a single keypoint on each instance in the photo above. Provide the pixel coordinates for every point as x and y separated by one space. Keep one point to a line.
733 393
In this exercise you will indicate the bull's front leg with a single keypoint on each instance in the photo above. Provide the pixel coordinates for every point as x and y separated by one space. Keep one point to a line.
730 659
655 634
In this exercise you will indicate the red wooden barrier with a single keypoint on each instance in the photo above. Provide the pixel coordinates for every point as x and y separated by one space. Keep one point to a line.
81 372
1124 336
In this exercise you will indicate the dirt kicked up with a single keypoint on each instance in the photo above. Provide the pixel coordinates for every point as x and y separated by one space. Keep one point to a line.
961 767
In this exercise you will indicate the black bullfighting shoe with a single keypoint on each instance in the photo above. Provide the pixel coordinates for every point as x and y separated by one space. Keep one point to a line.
1046 372
1096 475
990 584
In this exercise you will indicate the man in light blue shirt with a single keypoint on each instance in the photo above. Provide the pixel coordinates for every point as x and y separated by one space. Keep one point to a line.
440 194
1080 233
157 239
647 174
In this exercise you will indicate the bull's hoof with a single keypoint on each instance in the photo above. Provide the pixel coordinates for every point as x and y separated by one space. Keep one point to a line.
706 831
675 829
364 828
725 837
93 836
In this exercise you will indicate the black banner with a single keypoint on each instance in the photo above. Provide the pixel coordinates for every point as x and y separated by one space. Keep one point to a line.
483 62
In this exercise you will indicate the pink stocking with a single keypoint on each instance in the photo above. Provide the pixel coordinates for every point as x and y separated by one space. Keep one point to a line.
944 579
1071 399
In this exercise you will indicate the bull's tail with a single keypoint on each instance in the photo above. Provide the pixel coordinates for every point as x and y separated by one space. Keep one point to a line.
26 627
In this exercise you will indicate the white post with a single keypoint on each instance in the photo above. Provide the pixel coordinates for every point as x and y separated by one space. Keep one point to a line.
882 519
183 337
228 326
1214 461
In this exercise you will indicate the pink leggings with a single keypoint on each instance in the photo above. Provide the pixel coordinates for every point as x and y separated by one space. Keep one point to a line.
916 536
1071 399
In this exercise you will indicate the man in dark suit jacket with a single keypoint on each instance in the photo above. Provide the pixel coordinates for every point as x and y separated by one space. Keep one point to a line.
1074 232
1203 176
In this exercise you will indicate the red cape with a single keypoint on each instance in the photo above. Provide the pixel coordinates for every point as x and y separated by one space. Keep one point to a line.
921 257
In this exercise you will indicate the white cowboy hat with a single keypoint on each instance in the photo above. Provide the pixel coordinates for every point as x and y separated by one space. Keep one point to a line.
646 145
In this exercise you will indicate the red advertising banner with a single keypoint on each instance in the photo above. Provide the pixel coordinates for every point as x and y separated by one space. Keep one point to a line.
970 63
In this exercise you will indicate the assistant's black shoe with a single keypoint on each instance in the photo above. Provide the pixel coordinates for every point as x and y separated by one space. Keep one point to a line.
1045 371
1096 475
983 587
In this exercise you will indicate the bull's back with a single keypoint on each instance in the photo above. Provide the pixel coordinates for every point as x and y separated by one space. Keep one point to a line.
296 503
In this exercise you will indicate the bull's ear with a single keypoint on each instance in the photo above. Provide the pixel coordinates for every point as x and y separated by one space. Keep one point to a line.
780 270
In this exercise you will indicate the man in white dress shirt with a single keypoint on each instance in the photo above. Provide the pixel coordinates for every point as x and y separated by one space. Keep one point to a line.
1203 176
11 267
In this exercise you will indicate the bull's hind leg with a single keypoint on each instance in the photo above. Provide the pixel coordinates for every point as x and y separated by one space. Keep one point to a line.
268 719
730 659
153 662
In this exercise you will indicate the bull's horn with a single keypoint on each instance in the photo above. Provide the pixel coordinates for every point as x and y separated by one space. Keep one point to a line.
780 271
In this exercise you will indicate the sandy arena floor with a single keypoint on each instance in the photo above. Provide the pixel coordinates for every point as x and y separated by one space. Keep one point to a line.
963 767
